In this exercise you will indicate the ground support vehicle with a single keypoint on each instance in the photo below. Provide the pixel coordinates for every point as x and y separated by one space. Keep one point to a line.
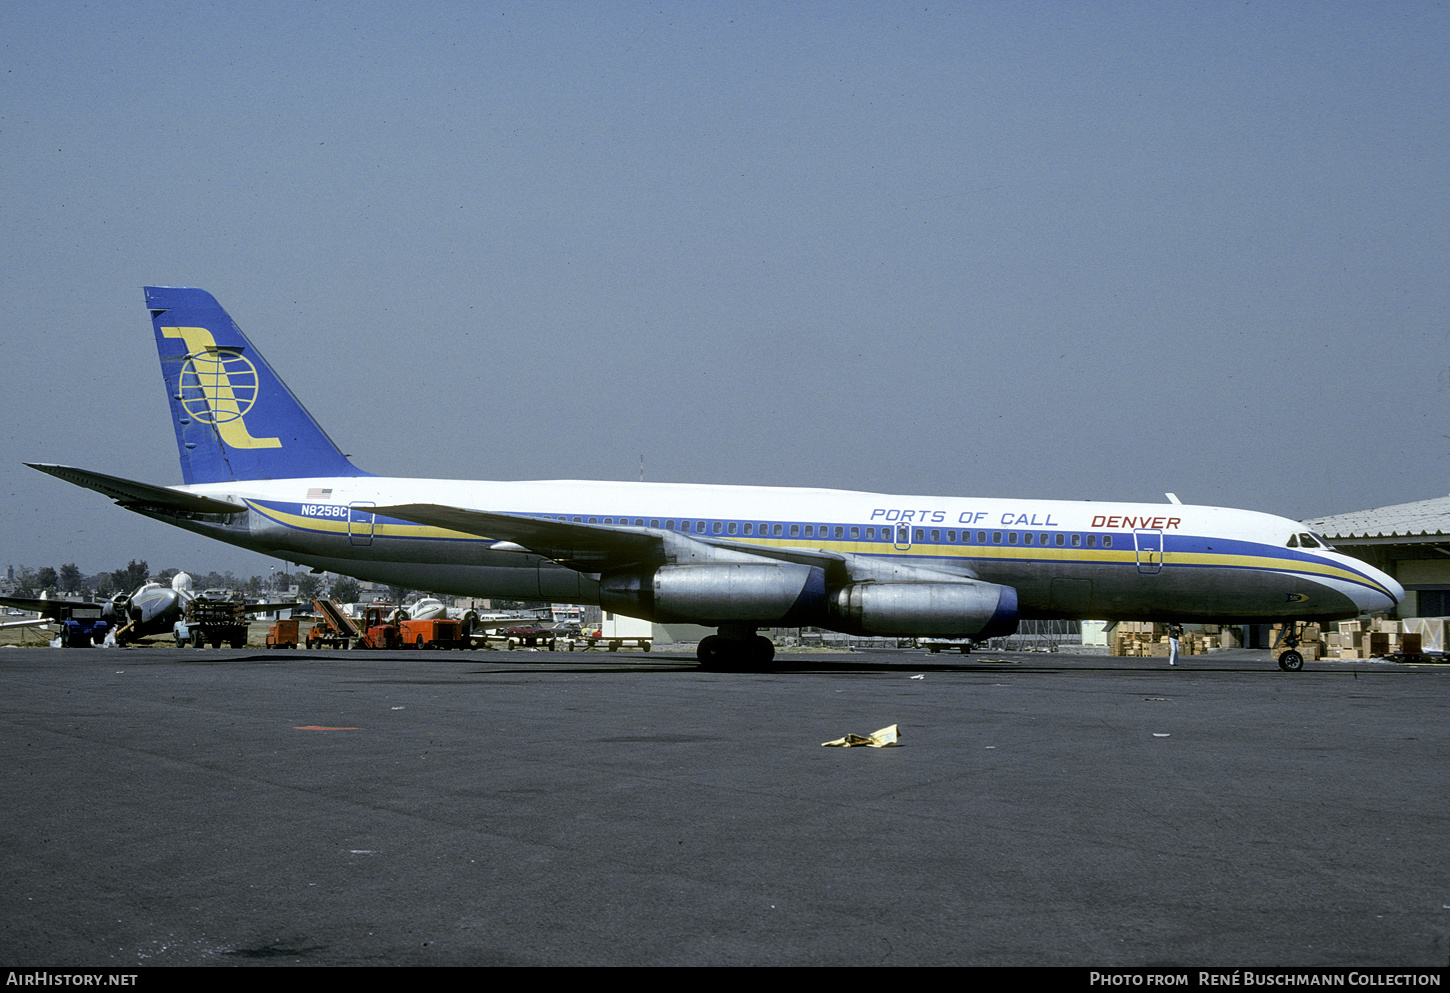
283 634
618 631
210 620
590 640
334 629
935 645
377 632
531 637
438 632
82 624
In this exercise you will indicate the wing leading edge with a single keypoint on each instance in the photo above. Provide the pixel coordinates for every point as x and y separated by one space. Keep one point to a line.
586 547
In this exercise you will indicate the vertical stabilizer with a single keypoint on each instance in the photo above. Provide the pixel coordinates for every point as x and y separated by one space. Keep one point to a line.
234 418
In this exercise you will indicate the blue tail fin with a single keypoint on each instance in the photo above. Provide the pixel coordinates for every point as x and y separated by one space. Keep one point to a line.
235 419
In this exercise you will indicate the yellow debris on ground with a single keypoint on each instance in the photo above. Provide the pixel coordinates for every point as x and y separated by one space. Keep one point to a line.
885 738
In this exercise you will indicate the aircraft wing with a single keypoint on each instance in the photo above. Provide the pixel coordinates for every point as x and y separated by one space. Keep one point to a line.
48 609
523 623
262 608
138 496
597 547
587 547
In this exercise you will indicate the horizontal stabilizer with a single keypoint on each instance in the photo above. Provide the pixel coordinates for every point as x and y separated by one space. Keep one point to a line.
139 496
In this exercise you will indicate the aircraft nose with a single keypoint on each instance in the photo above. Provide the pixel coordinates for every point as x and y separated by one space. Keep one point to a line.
1386 598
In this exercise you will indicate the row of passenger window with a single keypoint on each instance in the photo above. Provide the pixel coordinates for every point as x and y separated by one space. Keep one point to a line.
897 535
1042 538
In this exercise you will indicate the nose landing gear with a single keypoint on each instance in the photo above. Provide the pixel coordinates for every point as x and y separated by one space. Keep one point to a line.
1290 660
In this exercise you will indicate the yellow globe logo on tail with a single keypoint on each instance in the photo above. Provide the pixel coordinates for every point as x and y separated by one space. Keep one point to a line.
218 386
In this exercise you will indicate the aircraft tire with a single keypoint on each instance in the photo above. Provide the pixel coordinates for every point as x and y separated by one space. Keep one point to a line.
1291 661
736 655
762 650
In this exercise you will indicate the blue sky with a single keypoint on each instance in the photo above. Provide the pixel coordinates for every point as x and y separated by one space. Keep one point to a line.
1076 251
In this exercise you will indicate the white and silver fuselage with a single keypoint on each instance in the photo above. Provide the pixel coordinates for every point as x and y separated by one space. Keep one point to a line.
1065 559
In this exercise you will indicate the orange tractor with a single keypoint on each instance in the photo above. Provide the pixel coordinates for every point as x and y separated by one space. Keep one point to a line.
377 632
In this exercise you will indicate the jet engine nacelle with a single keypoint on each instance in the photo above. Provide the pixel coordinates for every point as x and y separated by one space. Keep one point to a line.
719 593
939 610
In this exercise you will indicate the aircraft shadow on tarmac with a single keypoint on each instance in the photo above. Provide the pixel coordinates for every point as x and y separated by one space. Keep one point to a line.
902 664
882 662
621 662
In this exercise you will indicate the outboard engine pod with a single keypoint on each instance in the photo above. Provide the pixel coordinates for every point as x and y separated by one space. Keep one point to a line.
941 610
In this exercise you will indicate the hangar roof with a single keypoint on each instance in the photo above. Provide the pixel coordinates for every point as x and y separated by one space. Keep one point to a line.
1424 520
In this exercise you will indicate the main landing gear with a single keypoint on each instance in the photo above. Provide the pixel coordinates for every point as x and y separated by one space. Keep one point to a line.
735 648
1291 660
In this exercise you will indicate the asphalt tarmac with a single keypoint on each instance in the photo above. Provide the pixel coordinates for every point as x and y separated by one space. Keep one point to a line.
183 807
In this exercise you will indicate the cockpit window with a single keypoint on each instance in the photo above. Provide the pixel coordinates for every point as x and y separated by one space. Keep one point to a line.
1307 541
1293 541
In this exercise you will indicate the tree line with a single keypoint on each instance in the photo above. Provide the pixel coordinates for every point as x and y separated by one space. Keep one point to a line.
69 581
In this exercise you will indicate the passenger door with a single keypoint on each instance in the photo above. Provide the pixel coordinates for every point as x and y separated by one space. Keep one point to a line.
1150 551
360 523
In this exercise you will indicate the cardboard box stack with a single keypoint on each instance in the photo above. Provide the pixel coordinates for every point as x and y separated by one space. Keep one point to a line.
1147 639
1132 638
1372 639
1351 640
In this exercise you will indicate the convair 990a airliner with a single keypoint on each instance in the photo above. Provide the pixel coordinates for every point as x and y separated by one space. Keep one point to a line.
260 473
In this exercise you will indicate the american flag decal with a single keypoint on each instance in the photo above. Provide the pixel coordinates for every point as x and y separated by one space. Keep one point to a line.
319 494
